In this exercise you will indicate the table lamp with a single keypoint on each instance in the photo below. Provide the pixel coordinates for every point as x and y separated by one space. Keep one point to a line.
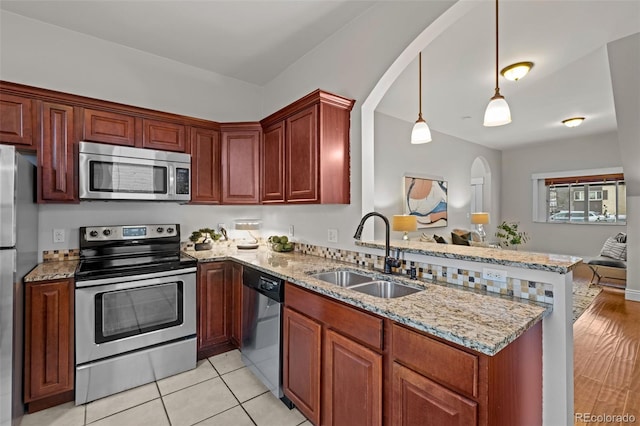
480 219
248 225
404 223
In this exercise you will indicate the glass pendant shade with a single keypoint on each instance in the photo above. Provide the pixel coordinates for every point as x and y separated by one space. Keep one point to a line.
420 133
497 112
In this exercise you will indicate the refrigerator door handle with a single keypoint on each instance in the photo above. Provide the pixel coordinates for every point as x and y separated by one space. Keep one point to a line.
7 196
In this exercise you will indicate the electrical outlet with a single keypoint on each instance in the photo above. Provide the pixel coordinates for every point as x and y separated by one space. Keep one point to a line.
332 235
58 235
499 275
291 230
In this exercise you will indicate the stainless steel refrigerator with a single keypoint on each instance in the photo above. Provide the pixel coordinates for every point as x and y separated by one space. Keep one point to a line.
18 255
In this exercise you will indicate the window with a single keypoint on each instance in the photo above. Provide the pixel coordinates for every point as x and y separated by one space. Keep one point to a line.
562 198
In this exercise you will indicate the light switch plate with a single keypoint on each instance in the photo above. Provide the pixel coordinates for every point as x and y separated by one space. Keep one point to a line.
58 235
291 233
332 235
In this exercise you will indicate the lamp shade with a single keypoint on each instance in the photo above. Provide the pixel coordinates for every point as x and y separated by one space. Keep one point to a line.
480 218
420 132
404 223
497 112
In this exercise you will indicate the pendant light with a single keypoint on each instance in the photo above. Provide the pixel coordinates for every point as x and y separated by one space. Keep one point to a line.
420 132
497 112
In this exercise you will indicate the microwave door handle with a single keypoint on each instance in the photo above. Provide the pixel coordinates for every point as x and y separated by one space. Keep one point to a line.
172 180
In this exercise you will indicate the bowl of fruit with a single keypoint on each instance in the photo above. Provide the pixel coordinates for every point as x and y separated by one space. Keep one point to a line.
280 244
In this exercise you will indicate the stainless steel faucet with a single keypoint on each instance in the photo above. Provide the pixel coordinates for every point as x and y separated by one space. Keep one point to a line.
389 262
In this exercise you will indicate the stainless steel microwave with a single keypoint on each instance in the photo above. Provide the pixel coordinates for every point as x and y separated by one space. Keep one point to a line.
112 172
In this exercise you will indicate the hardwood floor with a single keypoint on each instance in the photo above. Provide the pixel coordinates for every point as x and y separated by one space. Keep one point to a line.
606 362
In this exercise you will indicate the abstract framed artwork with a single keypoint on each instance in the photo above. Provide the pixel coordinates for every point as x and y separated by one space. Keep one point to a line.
426 199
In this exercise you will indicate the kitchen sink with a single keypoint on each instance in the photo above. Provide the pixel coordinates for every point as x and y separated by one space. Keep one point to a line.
385 289
343 278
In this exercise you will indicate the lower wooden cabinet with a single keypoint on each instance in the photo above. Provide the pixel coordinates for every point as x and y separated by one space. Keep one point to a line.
418 401
331 377
346 366
301 350
236 303
49 343
213 308
352 382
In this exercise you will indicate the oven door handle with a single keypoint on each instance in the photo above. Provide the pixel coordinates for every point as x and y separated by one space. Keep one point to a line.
133 278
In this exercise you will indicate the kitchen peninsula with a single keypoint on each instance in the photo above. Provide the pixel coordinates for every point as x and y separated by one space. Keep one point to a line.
537 276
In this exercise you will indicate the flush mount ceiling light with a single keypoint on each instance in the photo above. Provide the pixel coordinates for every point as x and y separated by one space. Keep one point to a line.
573 122
497 112
515 72
420 132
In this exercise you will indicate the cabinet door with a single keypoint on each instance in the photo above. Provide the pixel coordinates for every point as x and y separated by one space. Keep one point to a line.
419 401
56 153
205 166
236 303
301 363
164 136
49 363
213 307
240 167
109 127
302 156
273 163
16 120
352 382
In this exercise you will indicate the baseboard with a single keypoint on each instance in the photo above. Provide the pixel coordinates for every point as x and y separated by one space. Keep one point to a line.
631 294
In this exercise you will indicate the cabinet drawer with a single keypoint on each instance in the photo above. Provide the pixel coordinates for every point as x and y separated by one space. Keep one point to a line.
436 360
349 321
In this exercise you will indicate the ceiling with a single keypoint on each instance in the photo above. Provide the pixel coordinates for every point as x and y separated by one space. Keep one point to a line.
255 41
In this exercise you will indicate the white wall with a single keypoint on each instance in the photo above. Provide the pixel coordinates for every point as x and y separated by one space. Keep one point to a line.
446 156
349 63
44 55
518 164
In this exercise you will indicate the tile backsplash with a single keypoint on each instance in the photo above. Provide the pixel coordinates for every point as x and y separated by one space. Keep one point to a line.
524 289
58 255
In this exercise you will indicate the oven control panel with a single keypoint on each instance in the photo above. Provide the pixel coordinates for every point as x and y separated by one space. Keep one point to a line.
130 232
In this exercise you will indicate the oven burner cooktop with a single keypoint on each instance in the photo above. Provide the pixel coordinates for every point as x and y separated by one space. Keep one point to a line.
128 250
122 267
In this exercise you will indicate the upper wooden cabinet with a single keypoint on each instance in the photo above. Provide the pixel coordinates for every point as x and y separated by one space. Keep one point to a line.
272 163
16 120
164 135
311 137
56 153
110 127
241 163
205 150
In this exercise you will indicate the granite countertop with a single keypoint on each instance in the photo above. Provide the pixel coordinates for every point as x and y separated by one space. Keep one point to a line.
520 259
481 321
55 270
485 322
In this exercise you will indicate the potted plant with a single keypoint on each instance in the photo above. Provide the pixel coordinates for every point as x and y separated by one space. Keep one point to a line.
508 234
203 238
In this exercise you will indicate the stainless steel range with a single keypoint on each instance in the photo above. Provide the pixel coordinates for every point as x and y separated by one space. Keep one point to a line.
135 309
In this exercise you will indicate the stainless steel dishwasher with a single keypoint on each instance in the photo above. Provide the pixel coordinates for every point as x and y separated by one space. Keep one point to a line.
261 346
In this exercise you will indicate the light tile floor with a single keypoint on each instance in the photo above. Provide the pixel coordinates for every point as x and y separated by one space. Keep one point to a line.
220 391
